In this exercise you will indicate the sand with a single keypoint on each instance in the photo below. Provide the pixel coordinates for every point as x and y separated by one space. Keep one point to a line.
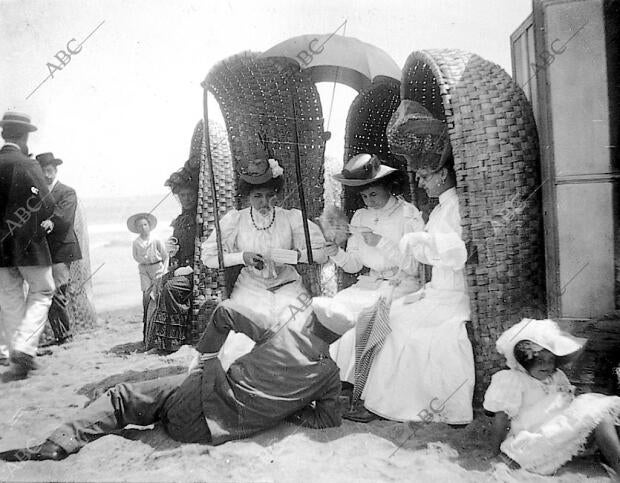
379 451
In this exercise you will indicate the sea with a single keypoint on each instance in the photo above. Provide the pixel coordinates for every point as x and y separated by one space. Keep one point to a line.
115 280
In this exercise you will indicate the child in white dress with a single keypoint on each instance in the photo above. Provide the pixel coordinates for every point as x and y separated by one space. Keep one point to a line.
539 422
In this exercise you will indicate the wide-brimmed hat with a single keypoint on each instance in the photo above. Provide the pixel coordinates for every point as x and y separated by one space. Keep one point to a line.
259 170
363 169
45 159
415 132
17 121
131 221
546 333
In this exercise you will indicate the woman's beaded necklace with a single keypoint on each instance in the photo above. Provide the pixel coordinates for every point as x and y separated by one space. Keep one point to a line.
273 218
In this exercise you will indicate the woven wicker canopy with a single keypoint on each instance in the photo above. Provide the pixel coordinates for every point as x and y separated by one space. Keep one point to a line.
495 148
274 99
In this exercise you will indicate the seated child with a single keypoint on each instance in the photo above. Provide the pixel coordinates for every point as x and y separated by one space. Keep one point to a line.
539 422
149 252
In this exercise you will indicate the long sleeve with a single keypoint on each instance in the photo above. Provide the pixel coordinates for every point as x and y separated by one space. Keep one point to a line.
350 260
412 222
299 238
232 255
64 210
444 246
134 251
223 320
325 412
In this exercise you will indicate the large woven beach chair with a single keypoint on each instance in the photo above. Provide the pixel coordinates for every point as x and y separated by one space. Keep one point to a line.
494 141
495 146
274 99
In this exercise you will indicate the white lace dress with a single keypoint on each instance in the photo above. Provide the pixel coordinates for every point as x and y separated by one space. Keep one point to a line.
250 295
549 425
425 370
392 221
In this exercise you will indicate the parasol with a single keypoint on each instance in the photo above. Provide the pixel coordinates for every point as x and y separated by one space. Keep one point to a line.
331 57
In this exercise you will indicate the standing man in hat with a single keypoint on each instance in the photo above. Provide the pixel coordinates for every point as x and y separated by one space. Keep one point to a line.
25 202
62 241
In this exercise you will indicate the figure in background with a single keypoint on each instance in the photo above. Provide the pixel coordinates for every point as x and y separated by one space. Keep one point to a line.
25 202
268 241
149 252
168 321
63 244
375 234
539 423
427 358
287 376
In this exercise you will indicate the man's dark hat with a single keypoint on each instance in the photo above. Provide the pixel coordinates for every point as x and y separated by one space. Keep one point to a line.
17 121
46 159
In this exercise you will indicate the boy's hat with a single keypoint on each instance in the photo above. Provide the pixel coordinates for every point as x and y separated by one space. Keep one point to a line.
131 221
546 333
332 315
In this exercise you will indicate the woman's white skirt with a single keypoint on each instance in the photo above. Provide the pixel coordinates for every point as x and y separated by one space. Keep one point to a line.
425 370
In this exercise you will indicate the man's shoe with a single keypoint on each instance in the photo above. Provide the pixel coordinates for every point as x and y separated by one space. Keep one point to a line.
46 451
360 415
21 365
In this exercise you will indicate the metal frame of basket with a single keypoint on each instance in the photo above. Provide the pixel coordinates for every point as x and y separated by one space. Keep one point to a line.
274 98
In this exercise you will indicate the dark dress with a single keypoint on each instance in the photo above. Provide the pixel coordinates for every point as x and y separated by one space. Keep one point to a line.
167 318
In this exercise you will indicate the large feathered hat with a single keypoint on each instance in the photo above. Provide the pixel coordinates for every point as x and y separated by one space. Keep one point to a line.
413 131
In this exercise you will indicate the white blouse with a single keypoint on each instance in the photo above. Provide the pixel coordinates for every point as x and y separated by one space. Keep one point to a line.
239 234
391 221
446 250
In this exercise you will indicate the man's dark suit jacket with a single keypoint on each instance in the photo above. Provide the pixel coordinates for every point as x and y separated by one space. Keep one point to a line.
62 240
25 202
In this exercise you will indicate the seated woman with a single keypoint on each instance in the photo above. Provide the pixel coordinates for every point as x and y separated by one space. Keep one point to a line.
425 369
376 231
168 313
268 241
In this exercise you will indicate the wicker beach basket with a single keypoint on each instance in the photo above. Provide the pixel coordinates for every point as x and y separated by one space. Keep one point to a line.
496 156
256 97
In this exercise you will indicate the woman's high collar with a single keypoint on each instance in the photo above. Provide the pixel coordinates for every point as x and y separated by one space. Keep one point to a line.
447 195
389 205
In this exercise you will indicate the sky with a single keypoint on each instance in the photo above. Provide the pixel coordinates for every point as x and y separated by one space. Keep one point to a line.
121 111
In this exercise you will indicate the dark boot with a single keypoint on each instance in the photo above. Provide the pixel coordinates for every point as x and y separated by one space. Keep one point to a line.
46 451
21 365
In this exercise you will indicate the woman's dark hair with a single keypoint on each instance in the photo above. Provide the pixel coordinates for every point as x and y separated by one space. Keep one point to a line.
245 188
527 353
395 183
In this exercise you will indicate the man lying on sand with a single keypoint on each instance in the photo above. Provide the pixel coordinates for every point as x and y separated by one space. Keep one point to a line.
287 376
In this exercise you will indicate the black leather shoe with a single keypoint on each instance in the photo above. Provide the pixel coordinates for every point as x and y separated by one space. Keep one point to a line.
360 415
46 451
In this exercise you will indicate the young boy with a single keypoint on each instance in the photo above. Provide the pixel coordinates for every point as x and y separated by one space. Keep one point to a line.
149 252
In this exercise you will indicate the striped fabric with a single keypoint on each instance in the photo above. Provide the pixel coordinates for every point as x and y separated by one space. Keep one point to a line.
371 330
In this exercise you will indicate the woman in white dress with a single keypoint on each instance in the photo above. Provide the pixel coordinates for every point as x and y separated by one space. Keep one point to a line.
425 370
376 233
268 241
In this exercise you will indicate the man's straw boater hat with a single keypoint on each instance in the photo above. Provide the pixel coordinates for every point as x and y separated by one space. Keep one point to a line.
17 122
46 159
131 221
260 165
414 132
363 169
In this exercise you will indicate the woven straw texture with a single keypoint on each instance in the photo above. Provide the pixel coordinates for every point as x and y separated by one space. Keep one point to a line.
256 97
495 147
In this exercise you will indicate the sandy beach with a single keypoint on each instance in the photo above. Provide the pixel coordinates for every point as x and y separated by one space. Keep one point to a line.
112 353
